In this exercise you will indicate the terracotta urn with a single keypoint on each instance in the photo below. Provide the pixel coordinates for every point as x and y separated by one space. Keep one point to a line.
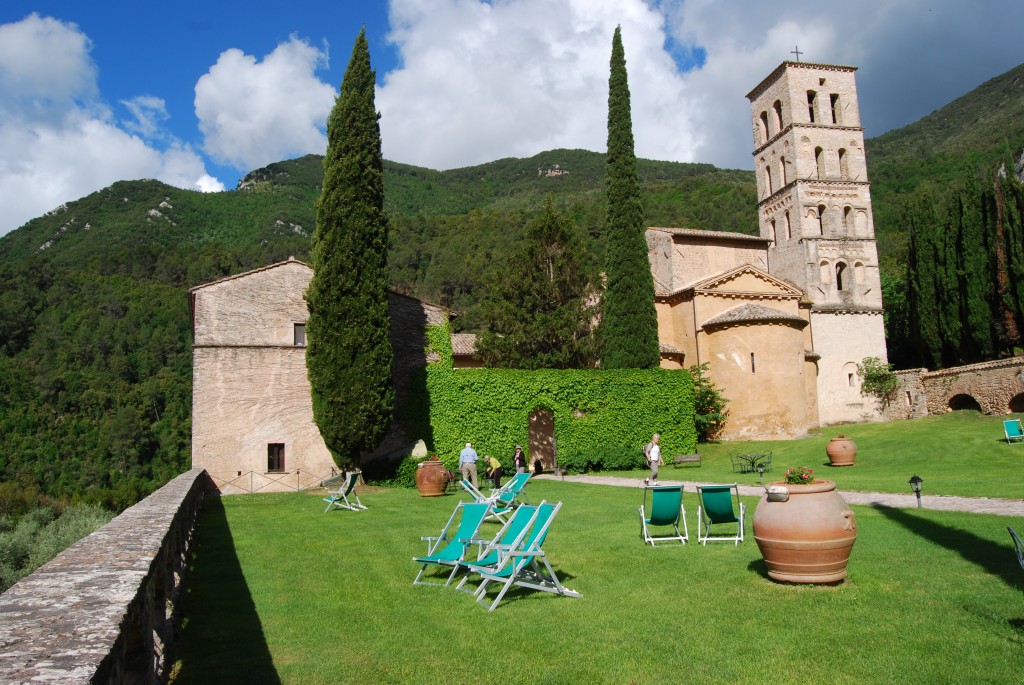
431 478
841 451
807 537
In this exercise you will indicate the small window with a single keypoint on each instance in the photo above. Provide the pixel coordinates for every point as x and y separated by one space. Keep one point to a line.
844 165
849 379
812 104
909 401
819 162
771 230
836 114
300 335
777 108
840 270
753 369
785 223
275 457
821 219
764 127
782 171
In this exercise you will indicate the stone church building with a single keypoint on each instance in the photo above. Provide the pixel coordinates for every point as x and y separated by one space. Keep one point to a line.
782 319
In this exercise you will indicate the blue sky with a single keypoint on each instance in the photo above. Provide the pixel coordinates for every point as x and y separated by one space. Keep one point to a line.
199 93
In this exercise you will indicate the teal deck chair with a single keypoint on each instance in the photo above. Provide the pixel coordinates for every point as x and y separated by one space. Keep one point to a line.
1018 545
525 565
509 537
1013 431
456 543
340 498
499 507
666 510
717 505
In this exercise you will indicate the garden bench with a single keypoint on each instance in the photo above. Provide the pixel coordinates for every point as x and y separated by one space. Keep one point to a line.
686 459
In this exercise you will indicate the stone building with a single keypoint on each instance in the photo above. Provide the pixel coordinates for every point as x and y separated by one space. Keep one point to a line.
252 413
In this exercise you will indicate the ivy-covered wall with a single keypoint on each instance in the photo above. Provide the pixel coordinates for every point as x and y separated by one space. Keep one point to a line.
595 411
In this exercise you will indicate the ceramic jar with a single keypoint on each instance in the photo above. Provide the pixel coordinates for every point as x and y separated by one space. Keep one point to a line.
431 478
807 537
841 451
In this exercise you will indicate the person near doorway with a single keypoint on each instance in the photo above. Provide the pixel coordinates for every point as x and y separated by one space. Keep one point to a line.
467 464
653 459
495 471
519 459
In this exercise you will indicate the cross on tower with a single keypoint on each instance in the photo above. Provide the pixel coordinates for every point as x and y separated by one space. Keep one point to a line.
796 51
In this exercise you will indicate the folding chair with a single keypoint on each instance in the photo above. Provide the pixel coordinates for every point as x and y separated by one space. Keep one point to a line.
455 543
526 565
1018 545
339 498
508 538
666 510
715 505
1013 431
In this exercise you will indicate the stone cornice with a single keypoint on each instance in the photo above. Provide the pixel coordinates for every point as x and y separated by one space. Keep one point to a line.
803 181
798 124
772 77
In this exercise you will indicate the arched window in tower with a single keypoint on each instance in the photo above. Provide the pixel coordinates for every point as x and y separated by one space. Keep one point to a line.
768 178
771 230
819 162
847 219
826 272
844 168
840 272
821 219
782 172
837 113
777 108
812 104
785 225
763 128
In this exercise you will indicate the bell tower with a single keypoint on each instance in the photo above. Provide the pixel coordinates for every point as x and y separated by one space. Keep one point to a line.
814 205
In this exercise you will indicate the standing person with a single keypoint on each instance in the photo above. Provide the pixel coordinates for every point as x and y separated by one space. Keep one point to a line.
495 470
467 464
520 460
653 459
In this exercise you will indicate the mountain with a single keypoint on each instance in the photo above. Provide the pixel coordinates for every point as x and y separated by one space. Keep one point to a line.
95 348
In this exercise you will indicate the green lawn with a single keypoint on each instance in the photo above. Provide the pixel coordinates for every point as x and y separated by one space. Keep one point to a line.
959 453
283 593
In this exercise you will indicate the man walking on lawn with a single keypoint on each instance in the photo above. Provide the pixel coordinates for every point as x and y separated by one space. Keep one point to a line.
467 464
653 459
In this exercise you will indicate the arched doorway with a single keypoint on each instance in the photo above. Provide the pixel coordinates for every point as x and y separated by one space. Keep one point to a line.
958 402
542 440
1017 403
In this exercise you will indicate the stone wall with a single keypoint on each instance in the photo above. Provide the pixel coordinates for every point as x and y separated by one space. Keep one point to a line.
105 609
997 387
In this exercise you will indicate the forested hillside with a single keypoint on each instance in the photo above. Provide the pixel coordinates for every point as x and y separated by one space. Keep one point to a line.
95 356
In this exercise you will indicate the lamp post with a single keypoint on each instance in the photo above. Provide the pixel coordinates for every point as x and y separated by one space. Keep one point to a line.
760 472
915 484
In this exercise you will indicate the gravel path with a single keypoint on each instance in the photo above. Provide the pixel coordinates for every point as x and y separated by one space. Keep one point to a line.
977 505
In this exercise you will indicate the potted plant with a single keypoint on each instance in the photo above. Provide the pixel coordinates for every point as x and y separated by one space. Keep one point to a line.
805 530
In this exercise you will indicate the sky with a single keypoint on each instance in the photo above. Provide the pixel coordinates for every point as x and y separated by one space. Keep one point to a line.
197 94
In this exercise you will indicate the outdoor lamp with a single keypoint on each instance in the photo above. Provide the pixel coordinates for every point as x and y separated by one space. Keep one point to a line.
915 483
760 472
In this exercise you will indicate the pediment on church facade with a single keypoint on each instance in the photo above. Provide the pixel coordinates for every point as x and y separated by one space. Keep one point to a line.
747 279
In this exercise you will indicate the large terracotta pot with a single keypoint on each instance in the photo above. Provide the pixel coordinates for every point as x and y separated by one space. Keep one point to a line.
431 478
807 538
841 451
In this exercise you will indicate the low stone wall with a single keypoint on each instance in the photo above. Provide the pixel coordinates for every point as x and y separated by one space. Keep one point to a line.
105 609
997 387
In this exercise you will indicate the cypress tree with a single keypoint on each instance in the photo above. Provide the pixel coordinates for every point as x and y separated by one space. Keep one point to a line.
539 317
975 276
629 324
922 293
349 354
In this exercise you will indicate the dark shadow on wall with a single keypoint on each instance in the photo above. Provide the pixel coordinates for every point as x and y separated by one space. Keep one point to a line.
999 560
222 640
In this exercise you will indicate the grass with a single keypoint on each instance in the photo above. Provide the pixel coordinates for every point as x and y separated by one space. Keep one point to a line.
282 593
959 453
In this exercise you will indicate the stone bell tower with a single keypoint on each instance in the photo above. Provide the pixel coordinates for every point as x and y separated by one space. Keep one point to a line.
814 205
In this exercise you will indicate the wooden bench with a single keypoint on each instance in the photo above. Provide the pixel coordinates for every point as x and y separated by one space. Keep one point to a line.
686 459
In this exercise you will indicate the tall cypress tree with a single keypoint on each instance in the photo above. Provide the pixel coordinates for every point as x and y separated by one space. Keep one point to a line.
922 291
349 354
630 324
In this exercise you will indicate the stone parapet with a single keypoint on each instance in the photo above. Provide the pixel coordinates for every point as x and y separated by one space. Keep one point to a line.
104 610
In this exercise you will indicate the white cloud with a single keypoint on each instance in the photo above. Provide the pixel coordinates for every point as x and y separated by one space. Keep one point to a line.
150 113
58 140
253 113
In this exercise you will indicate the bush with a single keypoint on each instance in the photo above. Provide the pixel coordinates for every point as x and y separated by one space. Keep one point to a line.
614 458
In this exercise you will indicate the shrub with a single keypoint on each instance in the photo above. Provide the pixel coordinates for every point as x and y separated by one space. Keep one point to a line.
878 380
613 458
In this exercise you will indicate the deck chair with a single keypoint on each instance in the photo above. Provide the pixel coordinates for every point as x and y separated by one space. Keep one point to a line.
455 542
340 498
526 565
1018 545
1013 431
508 538
717 504
666 510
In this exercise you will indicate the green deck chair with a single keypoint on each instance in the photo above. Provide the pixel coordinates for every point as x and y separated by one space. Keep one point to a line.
1013 431
509 537
666 510
499 511
340 498
717 505
525 565
1018 545
471 515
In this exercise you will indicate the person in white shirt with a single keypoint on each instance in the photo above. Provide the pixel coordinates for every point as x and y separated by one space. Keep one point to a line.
653 460
467 464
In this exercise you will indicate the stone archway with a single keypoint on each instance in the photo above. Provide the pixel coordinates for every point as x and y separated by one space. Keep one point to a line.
1016 405
542 440
963 401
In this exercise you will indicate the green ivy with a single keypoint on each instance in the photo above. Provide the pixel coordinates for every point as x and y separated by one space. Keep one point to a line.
600 416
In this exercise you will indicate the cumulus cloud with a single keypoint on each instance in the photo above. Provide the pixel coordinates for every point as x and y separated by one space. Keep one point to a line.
58 138
149 114
252 113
